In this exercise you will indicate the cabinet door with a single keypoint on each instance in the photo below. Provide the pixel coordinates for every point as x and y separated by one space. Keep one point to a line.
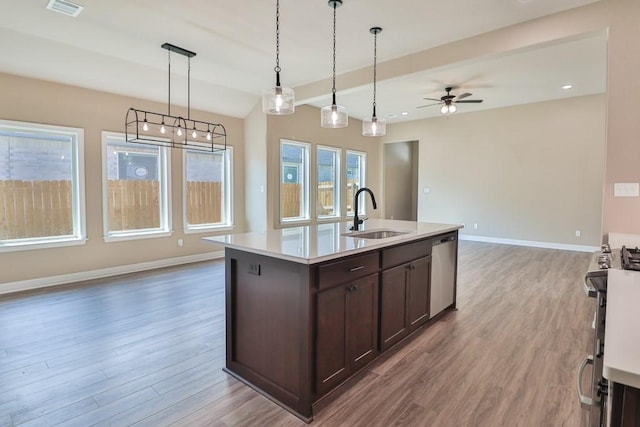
418 298
362 324
331 349
393 305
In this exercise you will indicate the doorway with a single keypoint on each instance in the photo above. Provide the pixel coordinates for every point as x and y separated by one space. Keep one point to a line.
400 162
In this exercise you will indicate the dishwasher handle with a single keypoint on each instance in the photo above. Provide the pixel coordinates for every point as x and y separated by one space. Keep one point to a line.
442 240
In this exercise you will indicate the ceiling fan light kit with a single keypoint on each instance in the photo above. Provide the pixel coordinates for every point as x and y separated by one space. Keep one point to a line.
278 100
449 101
334 115
373 126
165 130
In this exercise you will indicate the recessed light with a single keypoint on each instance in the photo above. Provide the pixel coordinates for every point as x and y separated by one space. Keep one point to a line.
405 113
567 87
391 116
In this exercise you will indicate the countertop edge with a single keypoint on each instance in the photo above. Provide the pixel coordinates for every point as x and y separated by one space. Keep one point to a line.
621 362
372 245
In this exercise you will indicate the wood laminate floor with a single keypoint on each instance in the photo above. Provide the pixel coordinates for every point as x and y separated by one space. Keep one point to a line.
148 350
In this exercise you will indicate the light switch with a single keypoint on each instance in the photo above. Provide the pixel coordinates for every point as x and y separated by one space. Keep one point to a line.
626 189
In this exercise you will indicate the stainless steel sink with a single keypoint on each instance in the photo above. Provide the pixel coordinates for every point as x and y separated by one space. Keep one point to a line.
375 234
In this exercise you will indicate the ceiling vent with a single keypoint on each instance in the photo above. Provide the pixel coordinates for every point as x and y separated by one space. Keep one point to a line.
65 7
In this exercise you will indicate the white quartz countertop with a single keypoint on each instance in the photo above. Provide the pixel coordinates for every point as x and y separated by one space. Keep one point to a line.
622 328
316 243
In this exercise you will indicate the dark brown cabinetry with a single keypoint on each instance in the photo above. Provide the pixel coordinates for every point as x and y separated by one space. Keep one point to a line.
404 292
347 331
625 405
296 331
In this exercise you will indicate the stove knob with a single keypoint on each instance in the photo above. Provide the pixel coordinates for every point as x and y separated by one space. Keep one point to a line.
605 248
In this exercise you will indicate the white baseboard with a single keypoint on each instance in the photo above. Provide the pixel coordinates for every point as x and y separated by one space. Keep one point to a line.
548 245
63 279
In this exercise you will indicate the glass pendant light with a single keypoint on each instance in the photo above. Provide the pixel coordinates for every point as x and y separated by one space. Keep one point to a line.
334 116
374 126
278 100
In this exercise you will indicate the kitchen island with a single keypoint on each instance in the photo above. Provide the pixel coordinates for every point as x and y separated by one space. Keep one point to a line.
308 307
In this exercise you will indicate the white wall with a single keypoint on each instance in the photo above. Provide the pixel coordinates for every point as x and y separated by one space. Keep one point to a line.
532 172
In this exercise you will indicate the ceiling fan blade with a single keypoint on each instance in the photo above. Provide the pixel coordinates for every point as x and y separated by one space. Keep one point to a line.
463 95
433 99
428 105
470 101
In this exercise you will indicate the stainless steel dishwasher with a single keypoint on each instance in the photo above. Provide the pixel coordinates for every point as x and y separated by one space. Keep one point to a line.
443 273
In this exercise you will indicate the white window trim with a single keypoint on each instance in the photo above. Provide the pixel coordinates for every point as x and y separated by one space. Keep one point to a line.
306 218
165 195
337 186
228 188
363 155
79 202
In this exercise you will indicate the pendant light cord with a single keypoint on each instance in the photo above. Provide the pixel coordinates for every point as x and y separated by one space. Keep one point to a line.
277 67
169 91
375 61
189 87
333 90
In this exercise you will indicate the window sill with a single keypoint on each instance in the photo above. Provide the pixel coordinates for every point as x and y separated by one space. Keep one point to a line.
136 236
48 244
210 229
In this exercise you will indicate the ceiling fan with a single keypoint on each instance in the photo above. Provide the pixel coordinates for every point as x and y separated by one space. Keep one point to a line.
448 101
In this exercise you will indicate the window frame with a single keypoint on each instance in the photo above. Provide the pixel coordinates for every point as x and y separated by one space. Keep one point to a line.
337 152
164 179
306 184
78 205
228 191
363 174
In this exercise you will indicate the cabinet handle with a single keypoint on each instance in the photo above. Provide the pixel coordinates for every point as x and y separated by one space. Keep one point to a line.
351 270
352 288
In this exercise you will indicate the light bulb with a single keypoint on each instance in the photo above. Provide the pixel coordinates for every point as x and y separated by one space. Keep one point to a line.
444 109
194 134
279 101
162 129
179 131
374 127
145 126
452 108
334 114
209 136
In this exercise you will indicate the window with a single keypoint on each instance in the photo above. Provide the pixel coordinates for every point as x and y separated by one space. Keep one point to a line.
328 174
207 193
135 190
41 186
294 181
356 168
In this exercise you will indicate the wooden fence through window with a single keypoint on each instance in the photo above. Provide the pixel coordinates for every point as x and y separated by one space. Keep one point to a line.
31 209
35 209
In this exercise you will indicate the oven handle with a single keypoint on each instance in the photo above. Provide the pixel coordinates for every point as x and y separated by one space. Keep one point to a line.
585 400
588 289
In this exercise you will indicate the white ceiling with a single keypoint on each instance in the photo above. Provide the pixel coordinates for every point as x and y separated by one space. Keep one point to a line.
114 46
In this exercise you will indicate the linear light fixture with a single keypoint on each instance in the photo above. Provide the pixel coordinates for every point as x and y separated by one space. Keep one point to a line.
165 130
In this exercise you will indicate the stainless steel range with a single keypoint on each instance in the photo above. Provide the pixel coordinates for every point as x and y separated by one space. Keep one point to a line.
595 286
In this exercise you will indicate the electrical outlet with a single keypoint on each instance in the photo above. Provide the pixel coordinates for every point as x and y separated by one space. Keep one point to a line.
180 243
578 233
254 269
475 225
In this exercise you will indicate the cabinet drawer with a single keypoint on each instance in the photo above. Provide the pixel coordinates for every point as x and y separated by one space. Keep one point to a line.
346 270
405 253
